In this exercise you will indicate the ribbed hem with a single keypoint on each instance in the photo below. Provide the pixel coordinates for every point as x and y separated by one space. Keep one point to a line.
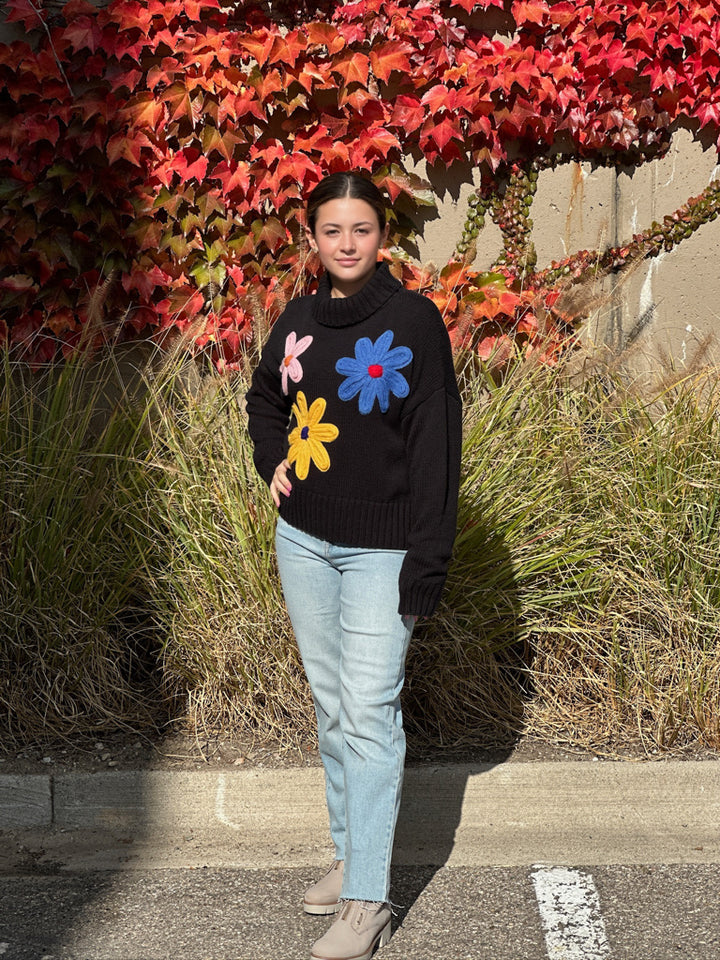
266 462
346 311
419 600
351 523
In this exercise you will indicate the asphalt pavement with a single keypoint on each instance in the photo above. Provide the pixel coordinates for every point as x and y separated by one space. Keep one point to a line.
591 860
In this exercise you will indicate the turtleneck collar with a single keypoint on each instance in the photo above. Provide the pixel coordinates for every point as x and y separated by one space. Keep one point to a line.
345 311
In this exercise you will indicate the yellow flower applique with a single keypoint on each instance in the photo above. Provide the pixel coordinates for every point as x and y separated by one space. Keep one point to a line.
308 437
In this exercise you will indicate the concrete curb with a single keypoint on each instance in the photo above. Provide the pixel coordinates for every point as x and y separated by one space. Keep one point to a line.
462 814
25 801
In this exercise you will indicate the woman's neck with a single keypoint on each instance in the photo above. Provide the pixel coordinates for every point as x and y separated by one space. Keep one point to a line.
340 288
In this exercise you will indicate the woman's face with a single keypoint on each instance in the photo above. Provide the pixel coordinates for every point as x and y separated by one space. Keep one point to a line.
347 239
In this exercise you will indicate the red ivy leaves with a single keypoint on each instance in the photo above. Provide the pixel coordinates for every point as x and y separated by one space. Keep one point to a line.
169 144
26 12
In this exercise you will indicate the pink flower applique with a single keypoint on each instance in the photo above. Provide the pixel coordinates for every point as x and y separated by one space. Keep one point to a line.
290 367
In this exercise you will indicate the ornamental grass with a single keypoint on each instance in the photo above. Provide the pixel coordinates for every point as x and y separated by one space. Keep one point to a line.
75 650
583 604
228 658
138 581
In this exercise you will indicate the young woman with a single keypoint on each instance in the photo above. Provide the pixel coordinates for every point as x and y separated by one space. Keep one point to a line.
355 416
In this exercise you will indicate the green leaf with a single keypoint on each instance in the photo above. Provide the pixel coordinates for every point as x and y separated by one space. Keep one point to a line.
207 205
64 173
167 201
241 244
200 272
9 187
204 274
179 246
484 279
190 221
215 250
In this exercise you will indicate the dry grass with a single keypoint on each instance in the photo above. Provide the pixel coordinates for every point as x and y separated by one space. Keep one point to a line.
73 647
640 659
228 656
582 605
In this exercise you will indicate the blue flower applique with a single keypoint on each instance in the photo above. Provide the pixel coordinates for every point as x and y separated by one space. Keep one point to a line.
373 372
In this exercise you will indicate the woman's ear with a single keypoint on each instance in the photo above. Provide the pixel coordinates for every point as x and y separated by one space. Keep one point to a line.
310 239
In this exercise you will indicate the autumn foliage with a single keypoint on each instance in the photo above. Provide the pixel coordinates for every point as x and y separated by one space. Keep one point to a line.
153 154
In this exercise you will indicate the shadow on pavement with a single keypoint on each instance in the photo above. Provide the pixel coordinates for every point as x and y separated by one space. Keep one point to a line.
444 704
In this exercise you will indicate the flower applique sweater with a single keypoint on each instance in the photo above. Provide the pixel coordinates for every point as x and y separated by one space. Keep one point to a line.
359 394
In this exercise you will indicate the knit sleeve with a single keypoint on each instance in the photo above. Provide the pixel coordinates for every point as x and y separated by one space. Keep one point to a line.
268 412
432 431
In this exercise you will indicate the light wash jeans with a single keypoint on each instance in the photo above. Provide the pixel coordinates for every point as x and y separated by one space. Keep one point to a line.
343 604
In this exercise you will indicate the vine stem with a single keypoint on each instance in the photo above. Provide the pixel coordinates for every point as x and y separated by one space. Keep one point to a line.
38 11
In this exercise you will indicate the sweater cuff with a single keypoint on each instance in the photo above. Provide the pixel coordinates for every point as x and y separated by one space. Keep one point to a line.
266 462
420 601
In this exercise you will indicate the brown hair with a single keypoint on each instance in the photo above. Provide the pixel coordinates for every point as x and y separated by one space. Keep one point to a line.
348 184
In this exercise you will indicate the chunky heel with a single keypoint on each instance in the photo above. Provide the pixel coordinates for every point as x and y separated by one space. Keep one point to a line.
361 928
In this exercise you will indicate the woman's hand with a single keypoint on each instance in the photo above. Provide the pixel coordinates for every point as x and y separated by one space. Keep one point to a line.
280 483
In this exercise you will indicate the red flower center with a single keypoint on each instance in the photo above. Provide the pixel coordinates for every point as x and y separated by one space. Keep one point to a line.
375 370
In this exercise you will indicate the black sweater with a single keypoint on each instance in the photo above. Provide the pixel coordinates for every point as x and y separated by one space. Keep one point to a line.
359 393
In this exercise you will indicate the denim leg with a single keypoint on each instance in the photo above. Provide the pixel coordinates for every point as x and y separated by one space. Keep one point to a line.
375 639
311 586
343 603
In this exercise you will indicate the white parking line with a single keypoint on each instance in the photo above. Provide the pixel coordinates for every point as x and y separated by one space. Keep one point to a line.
570 912
220 804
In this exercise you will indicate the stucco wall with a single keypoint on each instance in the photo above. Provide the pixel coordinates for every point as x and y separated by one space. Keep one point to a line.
664 310
678 293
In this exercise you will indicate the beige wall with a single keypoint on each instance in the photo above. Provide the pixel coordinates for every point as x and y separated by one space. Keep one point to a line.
678 292
666 308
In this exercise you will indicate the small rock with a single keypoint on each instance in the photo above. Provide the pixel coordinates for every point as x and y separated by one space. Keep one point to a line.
47 759
106 756
99 746
239 761
113 763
